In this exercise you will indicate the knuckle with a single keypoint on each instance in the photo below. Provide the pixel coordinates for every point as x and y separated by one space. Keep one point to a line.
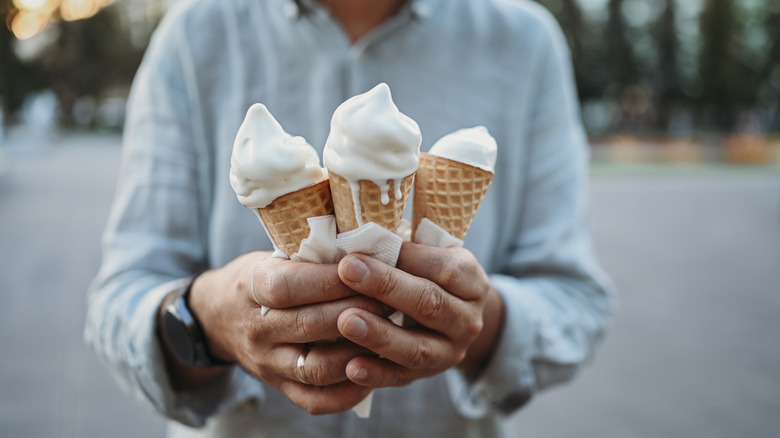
256 364
431 304
449 271
468 262
243 286
382 341
305 322
314 408
420 356
317 371
330 281
474 328
276 289
253 329
252 333
386 283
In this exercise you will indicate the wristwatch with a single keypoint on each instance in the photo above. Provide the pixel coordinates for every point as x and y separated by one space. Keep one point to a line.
182 332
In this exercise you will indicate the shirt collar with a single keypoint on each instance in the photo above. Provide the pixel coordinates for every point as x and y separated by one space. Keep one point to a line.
419 9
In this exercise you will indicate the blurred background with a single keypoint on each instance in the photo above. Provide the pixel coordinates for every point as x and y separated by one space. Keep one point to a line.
680 99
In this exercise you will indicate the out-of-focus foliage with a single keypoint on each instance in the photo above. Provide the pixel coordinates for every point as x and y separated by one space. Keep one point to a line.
90 60
17 78
641 66
659 65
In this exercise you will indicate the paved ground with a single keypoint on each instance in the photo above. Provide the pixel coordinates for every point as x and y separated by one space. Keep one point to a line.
693 352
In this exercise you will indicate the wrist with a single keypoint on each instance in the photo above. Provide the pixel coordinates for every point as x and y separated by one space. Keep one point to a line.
182 332
202 301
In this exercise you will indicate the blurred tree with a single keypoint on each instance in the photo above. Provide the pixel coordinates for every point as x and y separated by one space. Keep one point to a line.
729 81
622 71
578 34
91 57
620 58
770 73
668 91
17 79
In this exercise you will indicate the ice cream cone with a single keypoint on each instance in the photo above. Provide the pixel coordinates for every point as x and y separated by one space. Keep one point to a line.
371 208
285 217
448 193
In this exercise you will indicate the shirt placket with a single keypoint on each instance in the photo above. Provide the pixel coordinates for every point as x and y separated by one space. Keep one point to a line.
353 55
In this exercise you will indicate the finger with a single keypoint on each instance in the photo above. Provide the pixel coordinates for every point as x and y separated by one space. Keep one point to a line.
417 349
276 364
280 283
321 365
316 322
419 298
375 372
325 363
456 270
319 400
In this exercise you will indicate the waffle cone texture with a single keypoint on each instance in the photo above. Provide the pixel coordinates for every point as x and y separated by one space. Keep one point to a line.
285 217
387 215
448 193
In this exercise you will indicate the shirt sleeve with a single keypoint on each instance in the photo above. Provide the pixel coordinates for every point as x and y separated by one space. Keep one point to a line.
156 237
558 301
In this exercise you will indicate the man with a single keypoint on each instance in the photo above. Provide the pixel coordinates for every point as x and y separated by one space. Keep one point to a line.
516 311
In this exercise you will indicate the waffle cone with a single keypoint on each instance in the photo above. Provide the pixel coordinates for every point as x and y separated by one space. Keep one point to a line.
371 208
448 193
285 217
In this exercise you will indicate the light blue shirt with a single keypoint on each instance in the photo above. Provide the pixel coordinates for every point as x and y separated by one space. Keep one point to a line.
450 64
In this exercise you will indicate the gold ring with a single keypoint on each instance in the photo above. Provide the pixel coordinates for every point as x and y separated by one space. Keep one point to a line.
299 368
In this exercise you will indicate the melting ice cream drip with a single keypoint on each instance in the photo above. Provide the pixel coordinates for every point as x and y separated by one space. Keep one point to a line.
370 139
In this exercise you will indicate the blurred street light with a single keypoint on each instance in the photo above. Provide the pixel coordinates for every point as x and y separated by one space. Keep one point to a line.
29 17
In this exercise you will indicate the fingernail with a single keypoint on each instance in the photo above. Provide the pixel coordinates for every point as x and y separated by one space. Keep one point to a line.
355 270
355 327
360 374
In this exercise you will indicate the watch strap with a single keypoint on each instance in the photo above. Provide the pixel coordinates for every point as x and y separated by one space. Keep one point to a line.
182 332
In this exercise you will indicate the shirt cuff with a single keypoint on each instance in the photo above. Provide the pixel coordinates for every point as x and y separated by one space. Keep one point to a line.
191 407
506 383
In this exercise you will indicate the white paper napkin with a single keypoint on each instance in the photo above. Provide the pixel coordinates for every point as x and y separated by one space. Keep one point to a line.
431 234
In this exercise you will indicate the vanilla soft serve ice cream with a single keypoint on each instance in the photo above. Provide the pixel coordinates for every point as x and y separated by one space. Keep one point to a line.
451 183
267 162
472 146
370 140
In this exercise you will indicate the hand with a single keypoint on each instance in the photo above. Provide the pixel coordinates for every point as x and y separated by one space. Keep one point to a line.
306 300
445 290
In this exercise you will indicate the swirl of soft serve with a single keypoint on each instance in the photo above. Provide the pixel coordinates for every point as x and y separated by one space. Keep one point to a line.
267 162
472 146
370 139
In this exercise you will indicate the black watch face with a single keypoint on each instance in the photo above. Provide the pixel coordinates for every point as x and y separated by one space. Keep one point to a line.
177 336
